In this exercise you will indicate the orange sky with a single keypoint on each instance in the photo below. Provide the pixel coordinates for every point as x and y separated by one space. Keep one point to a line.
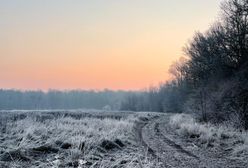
64 44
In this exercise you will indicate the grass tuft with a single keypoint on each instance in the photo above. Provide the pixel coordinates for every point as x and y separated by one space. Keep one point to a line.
210 135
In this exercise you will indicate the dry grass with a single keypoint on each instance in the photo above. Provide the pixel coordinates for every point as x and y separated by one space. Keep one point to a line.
207 134
92 139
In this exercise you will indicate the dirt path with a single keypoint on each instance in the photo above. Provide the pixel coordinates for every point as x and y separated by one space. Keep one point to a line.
165 146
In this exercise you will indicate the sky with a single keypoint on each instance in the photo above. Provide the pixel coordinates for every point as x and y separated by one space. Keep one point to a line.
96 44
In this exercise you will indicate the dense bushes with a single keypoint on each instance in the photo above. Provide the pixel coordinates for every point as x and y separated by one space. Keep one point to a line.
217 67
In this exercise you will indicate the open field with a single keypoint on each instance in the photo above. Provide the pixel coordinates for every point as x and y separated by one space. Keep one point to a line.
99 139
70 139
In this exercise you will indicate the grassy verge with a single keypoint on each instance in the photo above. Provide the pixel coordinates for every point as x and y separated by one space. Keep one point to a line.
208 135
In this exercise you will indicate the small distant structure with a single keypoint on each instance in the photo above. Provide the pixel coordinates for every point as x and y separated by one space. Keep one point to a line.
107 108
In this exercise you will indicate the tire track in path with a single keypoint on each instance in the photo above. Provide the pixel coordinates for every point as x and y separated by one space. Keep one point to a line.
163 149
164 144
172 143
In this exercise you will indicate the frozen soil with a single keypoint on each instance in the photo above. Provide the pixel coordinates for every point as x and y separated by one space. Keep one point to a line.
174 149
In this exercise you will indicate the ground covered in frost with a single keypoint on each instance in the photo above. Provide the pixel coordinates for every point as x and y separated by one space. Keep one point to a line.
70 139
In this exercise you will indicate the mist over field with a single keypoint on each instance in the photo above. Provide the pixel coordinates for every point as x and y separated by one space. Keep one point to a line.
55 99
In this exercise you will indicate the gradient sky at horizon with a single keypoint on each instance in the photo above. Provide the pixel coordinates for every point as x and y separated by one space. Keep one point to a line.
95 44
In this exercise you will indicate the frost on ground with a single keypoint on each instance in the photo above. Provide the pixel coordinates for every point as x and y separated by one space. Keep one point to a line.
211 136
70 139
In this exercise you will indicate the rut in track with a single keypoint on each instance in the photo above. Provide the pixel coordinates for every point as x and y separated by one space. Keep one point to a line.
159 140
138 129
168 153
173 144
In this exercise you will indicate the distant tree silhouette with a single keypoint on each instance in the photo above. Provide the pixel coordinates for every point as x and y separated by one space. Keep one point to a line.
54 99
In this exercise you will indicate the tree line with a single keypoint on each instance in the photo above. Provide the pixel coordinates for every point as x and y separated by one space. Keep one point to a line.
211 80
54 99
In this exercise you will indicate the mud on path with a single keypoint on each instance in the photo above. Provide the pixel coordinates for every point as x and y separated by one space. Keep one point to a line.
156 136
